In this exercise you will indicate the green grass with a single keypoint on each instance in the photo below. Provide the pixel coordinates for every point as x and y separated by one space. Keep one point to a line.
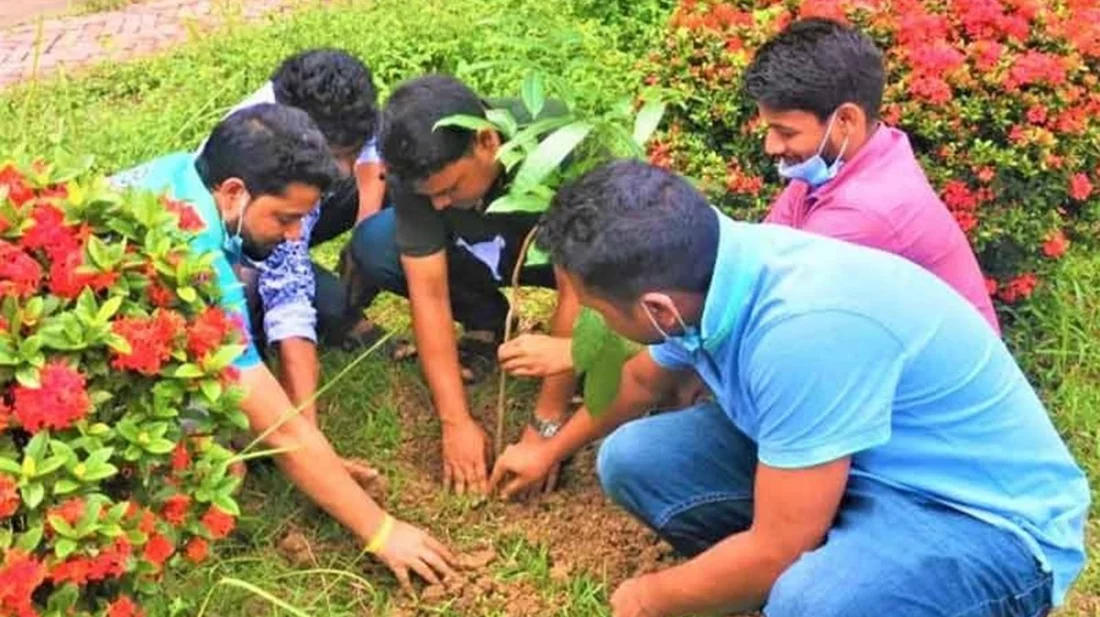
126 113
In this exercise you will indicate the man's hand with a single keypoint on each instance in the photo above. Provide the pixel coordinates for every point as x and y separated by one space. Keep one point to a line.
633 599
536 355
526 463
411 548
465 452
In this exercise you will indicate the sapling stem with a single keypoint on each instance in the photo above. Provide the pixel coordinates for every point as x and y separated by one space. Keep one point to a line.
512 310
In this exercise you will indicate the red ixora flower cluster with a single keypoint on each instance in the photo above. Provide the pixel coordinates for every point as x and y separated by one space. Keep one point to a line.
124 607
210 330
151 340
189 220
9 497
20 574
110 562
218 523
59 400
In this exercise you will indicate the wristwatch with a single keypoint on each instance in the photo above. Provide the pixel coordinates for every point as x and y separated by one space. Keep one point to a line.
545 428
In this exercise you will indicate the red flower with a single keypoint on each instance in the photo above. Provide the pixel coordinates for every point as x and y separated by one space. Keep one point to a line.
158 549
1036 67
208 331
1055 245
931 89
123 606
987 54
175 509
148 523
891 114
1019 288
20 575
49 232
160 295
151 341
986 174
1079 187
958 196
1037 114
67 280
181 458
737 181
218 523
189 219
76 570
59 400
111 561
9 497
197 550
991 285
19 192
933 58
71 511
20 274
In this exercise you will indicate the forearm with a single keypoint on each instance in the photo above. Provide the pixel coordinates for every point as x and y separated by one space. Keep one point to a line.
309 460
734 576
557 390
299 372
438 351
635 398
372 189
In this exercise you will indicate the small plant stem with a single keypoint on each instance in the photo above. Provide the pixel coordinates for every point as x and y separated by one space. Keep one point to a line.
512 310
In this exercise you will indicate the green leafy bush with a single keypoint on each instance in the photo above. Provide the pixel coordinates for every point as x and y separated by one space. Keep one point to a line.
110 343
999 98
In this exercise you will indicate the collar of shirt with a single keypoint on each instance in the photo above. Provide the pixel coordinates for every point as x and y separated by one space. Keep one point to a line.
737 268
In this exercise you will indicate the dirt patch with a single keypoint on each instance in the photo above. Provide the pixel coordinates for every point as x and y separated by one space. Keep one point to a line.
582 532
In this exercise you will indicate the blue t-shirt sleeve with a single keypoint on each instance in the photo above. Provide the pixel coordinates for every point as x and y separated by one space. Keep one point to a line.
670 356
369 153
823 387
233 302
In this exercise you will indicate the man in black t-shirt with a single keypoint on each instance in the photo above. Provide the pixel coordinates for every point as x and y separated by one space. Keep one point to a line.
454 257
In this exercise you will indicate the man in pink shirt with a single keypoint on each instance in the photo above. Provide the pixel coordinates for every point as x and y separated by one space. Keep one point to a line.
818 86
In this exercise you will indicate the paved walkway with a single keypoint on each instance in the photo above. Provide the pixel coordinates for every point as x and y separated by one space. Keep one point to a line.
74 41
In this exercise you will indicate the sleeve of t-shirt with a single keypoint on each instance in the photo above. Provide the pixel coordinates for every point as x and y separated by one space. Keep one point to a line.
823 386
420 229
670 356
233 302
369 153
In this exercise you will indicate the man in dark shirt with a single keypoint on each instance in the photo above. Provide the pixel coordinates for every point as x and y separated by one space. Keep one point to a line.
454 257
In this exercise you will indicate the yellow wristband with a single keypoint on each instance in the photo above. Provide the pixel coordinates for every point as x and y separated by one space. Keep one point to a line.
378 542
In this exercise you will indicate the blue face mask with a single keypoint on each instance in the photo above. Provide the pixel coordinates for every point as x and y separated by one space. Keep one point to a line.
690 339
814 170
233 245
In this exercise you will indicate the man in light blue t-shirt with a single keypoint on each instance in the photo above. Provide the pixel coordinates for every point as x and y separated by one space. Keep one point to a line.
871 449
258 175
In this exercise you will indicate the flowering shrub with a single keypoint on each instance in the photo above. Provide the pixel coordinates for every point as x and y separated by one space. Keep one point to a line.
999 98
108 350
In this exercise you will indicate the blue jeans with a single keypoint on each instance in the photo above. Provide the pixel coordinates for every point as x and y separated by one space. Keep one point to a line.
689 475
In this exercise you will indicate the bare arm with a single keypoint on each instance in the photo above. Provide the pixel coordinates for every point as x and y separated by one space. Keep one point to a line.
794 509
553 401
372 188
299 371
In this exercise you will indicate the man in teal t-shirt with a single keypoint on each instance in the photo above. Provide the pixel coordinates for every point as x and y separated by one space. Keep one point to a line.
260 172
872 447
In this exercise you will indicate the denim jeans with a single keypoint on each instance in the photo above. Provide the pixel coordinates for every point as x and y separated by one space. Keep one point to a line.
476 300
689 475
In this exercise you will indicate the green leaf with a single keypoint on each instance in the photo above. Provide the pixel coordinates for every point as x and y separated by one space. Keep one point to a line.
225 356
550 153
160 446
33 310
472 123
227 503
30 539
97 250
65 486
27 376
589 334
512 202
33 493
187 294
98 398
99 457
7 354
30 346
61 526
7 465
601 383
187 371
37 360
502 121
533 92
51 465
86 305
36 447
109 308
102 472
7 536
64 546
63 599
117 511
113 530
211 389
528 137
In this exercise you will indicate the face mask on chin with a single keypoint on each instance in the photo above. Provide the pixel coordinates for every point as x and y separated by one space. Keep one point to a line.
814 170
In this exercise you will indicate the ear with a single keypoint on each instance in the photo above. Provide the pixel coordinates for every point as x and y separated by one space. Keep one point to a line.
663 310
487 142
231 196
851 120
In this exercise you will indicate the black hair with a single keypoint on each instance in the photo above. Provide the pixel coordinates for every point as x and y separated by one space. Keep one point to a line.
336 89
817 65
628 227
411 148
269 147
